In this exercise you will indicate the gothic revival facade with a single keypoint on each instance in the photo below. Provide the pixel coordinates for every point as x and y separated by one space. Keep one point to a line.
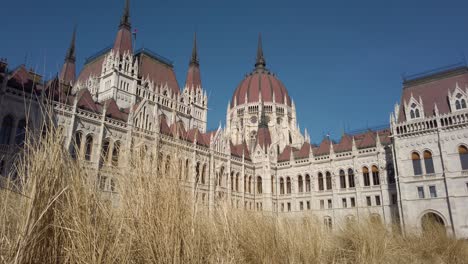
413 171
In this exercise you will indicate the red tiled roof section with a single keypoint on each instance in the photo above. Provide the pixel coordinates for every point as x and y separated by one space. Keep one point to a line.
262 82
434 91
113 111
323 148
346 144
239 150
367 141
193 80
304 152
264 137
123 41
164 127
286 154
25 80
158 72
92 68
86 102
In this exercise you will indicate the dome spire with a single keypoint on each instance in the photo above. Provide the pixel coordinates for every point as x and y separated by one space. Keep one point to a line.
194 59
260 62
125 20
67 74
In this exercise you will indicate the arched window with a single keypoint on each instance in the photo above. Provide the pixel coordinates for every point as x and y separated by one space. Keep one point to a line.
259 185
300 184
186 169
288 185
428 162
76 145
390 173
329 180
232 181
417 169
351 178
365 175
463 152
20 132
457 105
237 182
463 103
327 221
221 176
197 172
375 175
412 114
203 176
250 184
431 222
307 183
115 153
6 130
272 185
417 113
342 179
88 147
375 219
281 185
320 181
167 168
104 152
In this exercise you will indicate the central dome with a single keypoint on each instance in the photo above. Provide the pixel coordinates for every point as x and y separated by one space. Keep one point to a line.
260 85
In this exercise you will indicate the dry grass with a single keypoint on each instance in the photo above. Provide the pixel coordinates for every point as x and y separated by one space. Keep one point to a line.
58 216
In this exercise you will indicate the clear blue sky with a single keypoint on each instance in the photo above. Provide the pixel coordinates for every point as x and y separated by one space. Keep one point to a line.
342 61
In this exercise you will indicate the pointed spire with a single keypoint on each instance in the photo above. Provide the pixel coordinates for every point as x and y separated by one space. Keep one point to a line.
68 72
71 56
123 41
193 80
260 62
194 59
125 20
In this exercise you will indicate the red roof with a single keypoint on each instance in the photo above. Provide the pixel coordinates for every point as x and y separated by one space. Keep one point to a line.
323 148
68 72
193 80
25 80
261 81
304 152
346 144
264 137
93 67
286 154
158 72
86 102
113 111
433 89
123 41
239 150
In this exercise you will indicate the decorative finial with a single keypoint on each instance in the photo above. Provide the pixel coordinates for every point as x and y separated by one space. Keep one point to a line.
125 20
260 62
194 59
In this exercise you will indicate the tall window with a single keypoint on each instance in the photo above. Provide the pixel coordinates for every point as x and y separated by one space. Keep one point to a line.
307 177
104 152
237 182
115 154
288 185
300 184
250 184
351 178
463 152
167 169
327 221
20 132
342 179
433 191
460 102
88 147
76 146
365 175
6 130
417 169
390 173
375 175
186 169
329 180
281 186
320 181
259 185
232 181
428 163
421 192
